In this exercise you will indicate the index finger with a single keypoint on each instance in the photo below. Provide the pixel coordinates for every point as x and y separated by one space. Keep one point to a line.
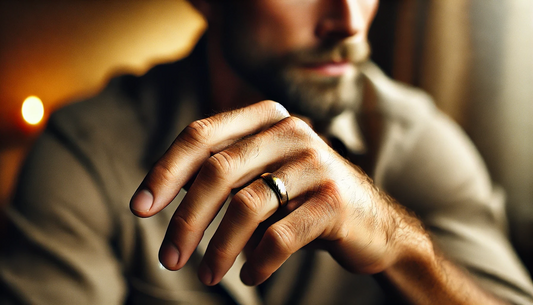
193 146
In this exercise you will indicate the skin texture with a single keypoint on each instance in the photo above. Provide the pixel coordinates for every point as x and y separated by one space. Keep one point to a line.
334 205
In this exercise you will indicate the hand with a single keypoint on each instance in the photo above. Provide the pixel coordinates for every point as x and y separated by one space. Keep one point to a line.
333 203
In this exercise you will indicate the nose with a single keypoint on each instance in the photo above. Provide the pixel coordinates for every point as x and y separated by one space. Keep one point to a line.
342 19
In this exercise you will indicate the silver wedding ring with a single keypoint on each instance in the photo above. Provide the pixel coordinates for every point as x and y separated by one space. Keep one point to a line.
278 187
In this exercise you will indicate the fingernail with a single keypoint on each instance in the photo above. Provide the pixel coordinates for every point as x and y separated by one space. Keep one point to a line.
246 278
169 256
205 274
142 201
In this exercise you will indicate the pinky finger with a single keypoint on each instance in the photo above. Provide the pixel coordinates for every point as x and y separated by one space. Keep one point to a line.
282 239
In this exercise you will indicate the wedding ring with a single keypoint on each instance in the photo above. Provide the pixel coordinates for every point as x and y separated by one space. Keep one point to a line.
278 187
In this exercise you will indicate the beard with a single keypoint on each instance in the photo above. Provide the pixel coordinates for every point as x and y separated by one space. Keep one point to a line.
285 79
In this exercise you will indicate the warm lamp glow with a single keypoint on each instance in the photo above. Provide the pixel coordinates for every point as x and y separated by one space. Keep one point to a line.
32 110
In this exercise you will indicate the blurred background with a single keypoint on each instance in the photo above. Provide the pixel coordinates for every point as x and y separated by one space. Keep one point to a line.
473 56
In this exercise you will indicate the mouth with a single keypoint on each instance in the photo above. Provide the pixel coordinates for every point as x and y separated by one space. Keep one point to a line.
331 68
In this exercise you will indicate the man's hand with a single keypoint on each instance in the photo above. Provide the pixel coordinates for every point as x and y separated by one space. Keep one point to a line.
333 205
331 200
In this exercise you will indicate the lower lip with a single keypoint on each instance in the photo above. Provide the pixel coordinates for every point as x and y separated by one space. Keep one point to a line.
332 69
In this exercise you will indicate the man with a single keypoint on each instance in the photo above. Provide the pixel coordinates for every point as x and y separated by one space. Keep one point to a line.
292 174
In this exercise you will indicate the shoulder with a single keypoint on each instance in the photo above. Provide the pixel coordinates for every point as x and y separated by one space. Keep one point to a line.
125 102
122 118
101 119
425 156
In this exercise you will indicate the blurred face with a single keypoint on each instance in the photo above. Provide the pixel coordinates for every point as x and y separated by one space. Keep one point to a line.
303 53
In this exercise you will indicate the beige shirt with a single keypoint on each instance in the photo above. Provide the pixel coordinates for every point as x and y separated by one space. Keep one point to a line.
74 240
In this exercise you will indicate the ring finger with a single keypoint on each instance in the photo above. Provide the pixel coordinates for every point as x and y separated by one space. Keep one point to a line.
251 206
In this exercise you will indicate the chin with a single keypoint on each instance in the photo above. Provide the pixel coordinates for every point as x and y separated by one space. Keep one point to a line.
320 99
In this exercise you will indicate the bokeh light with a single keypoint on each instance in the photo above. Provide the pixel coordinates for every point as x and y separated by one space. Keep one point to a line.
32 110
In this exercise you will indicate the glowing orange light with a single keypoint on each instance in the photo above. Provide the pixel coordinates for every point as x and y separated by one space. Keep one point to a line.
32 110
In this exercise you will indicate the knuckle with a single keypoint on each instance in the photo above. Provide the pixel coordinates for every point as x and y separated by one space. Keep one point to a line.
221 251
295 123
311 156
164 172
297 128
220 164
330 196
276 108
198 132
248 202
183 224
342 231
333 206
281 238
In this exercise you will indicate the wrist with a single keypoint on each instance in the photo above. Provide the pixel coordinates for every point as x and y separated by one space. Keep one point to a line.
409 242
